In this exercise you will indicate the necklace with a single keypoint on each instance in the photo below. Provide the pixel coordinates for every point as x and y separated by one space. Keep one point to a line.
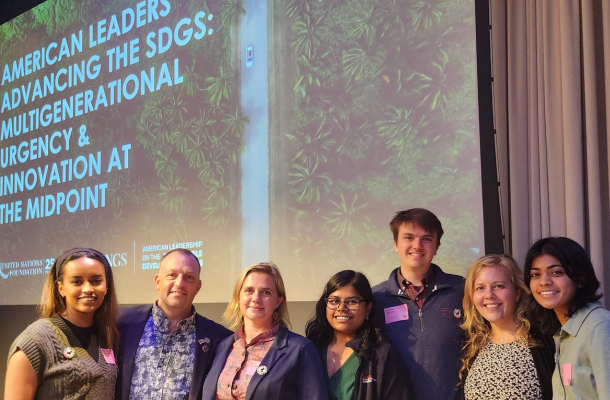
335 355
510 335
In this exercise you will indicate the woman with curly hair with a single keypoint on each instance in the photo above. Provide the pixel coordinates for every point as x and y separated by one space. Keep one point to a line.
503 358
357 363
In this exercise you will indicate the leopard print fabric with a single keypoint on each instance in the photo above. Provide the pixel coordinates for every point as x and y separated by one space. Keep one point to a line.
503 372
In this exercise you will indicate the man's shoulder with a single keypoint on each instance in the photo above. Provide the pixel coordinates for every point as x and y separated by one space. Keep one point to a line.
388 284
213 327
445 278
126 314
380 287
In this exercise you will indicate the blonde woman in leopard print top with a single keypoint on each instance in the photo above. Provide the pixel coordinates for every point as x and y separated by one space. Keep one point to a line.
503 359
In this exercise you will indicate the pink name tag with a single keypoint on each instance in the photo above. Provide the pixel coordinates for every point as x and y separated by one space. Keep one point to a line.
108 356
252 366
566 374
396 313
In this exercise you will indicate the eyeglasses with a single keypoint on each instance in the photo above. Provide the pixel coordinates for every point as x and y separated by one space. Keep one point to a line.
351 304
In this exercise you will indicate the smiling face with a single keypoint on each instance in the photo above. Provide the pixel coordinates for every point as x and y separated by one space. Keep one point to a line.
343 321
177 283
551 286
84 287
258 298
495 297
415 247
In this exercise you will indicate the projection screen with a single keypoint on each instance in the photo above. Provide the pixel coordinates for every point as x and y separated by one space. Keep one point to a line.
246 131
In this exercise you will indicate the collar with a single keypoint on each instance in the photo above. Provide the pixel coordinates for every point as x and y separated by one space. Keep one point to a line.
354 344
265 336
160 319
430 278
442 280
575 322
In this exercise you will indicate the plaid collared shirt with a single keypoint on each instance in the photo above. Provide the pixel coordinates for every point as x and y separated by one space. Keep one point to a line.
164 363
418 294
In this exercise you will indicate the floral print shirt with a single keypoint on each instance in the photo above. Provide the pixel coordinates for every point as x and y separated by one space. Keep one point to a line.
242 364
164 361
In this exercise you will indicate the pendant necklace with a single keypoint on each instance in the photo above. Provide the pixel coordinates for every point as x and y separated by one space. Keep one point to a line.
505 337
334 357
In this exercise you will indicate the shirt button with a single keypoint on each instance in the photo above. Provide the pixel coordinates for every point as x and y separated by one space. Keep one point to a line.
417 299
243 353
234 386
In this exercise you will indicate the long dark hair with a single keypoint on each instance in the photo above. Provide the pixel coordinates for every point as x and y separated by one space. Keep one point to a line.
319 331
577 265
104 318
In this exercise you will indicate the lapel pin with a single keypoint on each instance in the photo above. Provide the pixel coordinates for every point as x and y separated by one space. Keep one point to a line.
205 348
262 370
368 379
69 353
205 340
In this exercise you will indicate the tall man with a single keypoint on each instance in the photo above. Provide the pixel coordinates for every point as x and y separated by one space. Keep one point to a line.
419 308
166 349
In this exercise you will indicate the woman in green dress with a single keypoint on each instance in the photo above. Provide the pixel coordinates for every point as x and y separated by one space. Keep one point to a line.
358 364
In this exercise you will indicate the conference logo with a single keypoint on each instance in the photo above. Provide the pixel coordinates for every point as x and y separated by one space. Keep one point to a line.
2 274
22 268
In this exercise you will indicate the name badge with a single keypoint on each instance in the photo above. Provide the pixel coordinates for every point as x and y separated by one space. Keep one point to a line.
108 356
252 366
396 313
566 374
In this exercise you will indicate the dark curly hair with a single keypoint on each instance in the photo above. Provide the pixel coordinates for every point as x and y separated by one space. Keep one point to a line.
318 329
577 265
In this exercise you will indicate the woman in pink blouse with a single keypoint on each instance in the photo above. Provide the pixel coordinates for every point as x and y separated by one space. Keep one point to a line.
263 360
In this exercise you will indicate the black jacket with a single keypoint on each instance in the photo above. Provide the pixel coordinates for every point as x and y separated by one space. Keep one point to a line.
131 324
382 376
544 361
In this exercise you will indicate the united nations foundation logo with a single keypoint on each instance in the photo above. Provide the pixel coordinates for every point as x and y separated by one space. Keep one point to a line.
2 274
21 268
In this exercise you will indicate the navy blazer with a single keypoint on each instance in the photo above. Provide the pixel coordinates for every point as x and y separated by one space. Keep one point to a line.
294 371
131 324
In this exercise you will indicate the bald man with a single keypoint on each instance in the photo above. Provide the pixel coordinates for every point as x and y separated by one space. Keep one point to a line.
166 349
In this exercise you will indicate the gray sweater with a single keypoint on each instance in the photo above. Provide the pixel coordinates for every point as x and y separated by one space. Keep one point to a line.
59 377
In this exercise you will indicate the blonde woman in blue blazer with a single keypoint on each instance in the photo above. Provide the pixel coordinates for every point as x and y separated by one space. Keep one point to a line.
263 360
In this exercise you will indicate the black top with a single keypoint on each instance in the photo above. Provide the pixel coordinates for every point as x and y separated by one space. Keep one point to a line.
84 337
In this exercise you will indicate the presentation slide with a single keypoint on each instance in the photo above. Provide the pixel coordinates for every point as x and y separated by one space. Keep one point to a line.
243 130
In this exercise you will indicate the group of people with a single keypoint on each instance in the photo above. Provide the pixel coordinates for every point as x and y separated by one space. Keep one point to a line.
423 334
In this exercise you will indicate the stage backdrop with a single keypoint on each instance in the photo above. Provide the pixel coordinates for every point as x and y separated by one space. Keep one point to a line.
245 131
